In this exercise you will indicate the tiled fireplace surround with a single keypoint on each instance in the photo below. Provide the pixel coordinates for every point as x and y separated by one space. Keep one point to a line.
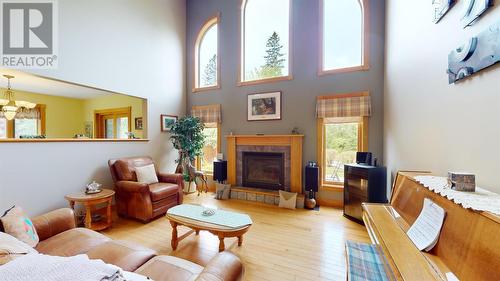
290 146
261 148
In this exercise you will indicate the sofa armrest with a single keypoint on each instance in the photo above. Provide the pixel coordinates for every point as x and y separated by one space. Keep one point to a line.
171 178
132 187
174 178
224 267
54 222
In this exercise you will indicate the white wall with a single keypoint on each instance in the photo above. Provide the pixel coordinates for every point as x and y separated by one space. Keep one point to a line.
128 46
430 125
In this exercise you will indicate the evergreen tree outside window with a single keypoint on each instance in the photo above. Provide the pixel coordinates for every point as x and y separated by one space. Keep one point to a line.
206 56
265 39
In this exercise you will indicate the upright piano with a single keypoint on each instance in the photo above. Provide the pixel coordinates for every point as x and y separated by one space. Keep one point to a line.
468 245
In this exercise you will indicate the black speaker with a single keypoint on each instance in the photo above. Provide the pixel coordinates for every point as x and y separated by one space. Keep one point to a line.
312 178
364 158
220 171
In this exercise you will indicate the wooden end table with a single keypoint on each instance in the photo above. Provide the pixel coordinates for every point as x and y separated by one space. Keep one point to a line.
196 225
89 201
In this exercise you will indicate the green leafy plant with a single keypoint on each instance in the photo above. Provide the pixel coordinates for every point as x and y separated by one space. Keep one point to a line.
187 137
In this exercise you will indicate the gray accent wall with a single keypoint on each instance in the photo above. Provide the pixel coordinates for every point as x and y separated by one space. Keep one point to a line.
299 94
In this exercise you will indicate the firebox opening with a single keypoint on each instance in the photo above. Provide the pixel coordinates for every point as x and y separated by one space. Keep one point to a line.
264 170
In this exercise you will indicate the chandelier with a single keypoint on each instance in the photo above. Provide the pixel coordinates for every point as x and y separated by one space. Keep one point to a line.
8 106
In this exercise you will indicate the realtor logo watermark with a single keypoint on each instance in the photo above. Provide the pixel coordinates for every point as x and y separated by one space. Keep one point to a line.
29 34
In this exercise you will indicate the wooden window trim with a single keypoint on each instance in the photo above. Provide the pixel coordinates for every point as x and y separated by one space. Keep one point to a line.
365 64
98 130
241 68
209 23
198 159
42 125
320 146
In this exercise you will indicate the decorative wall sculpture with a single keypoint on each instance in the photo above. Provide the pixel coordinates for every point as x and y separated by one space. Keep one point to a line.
440 8
473 10
476 54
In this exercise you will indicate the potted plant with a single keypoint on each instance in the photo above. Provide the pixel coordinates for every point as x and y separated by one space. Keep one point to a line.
187 137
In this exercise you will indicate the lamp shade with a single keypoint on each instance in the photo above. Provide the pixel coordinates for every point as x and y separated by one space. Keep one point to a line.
9 112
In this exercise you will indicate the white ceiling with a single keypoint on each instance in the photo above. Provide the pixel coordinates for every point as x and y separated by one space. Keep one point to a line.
32 83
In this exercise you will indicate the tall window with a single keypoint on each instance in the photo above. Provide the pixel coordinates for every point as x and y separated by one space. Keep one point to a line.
340 139
210 149
265 40
206 57
344 30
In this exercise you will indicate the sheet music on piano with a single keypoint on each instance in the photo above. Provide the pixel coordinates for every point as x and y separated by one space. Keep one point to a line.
424 233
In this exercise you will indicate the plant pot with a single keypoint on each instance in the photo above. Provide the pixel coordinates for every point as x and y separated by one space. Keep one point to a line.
189 188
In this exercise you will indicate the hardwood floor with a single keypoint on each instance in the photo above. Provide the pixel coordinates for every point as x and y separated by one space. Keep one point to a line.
281 244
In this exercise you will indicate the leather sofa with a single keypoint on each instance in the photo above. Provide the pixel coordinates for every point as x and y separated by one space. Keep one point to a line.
139 200
59 237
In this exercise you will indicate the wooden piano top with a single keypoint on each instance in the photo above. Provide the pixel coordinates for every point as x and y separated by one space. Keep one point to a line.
468 246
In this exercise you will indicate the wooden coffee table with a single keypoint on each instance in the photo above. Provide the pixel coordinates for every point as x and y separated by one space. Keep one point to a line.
89 201
179 215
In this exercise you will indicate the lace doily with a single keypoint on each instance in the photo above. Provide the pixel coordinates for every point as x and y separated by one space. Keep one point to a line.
480 200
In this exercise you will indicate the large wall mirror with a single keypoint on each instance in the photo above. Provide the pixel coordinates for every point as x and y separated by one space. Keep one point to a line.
34 108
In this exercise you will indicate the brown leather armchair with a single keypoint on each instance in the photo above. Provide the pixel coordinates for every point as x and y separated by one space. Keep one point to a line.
139 200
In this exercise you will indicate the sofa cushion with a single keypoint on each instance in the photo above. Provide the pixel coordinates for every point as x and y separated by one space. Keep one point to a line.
146 174
162 190
168 268
123 254
17 224
71 242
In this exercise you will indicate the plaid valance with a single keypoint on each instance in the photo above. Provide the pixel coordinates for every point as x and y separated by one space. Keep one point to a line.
208 113
348 105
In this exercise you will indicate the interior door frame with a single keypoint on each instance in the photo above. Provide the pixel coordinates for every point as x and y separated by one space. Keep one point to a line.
101 114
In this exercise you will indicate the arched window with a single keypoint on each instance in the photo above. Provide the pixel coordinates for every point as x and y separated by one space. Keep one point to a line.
265 37
344 31
207 57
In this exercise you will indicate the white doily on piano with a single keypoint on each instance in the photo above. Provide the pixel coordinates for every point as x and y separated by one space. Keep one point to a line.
480 200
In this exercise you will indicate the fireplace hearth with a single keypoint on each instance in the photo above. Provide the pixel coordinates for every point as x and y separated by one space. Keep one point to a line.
264 170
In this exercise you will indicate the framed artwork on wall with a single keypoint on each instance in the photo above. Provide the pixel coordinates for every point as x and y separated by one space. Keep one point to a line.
167 121
264 106
138 123
476 54
440 8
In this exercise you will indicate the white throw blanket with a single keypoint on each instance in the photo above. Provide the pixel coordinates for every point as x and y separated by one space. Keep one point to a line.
50 268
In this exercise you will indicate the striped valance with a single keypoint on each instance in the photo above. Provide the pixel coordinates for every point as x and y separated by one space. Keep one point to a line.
208 113
348 105
25 113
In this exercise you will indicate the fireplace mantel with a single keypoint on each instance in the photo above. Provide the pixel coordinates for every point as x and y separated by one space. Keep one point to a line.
293 141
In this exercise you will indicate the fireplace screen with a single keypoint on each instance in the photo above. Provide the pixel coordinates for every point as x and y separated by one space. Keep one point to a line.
263 170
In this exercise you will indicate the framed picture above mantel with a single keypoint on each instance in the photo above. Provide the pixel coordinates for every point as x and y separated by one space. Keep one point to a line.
264 106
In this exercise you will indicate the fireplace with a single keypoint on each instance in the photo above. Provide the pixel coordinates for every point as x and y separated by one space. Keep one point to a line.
264 170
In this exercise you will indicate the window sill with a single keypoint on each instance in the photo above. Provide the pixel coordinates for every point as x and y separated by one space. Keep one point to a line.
332 187
266 80
205 89
344 70
72 140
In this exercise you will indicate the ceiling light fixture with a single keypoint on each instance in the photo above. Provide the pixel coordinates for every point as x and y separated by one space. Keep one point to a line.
8 105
